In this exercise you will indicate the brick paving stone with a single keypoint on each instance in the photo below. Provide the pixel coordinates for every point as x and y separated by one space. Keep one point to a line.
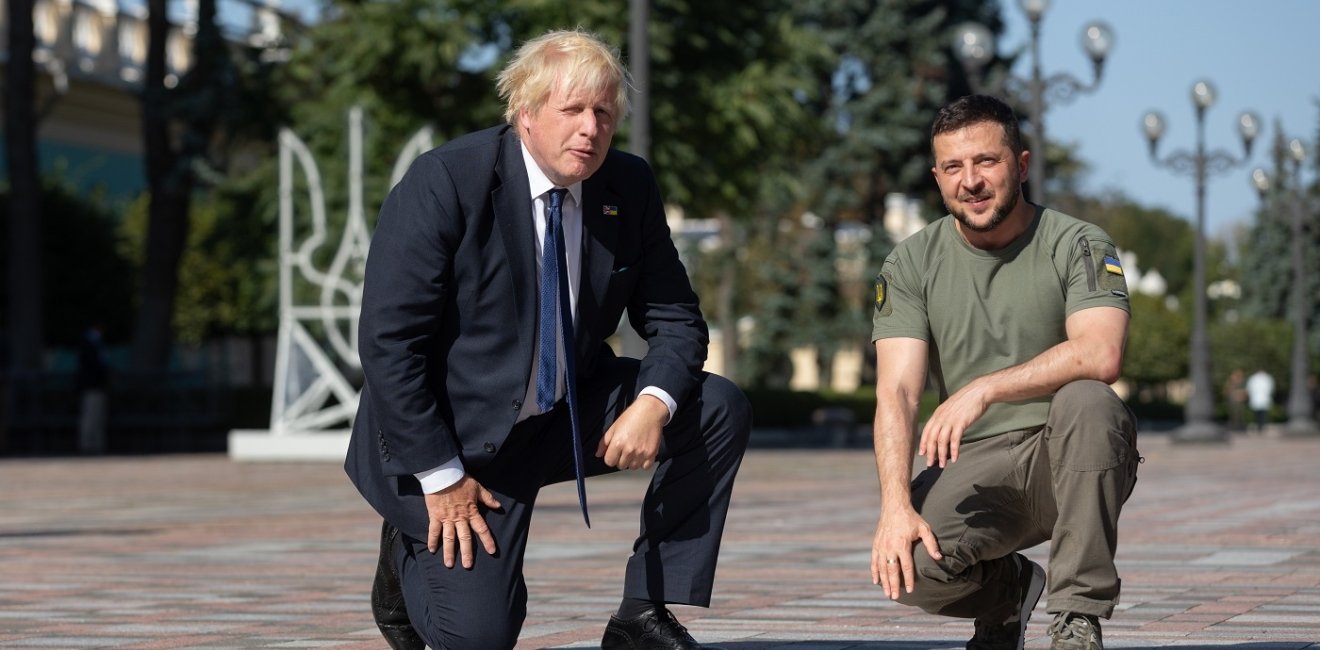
1219 547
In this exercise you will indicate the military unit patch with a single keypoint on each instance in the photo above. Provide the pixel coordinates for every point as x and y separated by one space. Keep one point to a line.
882 306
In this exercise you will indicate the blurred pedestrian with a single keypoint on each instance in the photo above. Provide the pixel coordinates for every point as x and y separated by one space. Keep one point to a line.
1260 396
92 380
1018 314
1235 395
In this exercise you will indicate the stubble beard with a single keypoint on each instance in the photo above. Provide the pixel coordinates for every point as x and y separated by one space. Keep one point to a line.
1000 214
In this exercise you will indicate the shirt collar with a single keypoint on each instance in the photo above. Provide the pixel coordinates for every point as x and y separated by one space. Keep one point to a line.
538 181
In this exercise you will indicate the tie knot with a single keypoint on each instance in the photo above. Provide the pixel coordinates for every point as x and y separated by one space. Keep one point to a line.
557 198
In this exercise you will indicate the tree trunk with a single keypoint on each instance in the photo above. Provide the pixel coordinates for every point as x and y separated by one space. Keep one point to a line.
24 255
825 368
153 335
170 176
167 228
725 311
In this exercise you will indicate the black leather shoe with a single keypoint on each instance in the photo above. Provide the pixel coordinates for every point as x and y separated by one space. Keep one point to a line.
656 629
387 605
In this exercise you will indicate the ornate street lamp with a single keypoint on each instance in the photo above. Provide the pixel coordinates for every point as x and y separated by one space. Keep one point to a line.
1301 406
974 47
1200 425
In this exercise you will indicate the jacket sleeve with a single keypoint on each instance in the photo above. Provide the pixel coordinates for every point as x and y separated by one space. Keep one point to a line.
406 286
663 308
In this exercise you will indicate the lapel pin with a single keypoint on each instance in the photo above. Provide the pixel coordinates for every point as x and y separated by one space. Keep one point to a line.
610 210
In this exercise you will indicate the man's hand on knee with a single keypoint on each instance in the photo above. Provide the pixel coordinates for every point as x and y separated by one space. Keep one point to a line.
633 441
942 435
892 564
454 516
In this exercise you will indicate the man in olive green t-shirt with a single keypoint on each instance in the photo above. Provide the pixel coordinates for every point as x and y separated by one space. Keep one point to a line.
1019 315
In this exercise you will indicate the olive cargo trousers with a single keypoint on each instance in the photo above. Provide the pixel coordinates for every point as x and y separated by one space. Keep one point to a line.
1065 482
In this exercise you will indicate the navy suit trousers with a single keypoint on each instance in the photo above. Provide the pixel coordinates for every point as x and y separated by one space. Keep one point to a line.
682 518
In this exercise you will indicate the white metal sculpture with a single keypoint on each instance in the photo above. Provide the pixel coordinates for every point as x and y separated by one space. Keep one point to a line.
315 392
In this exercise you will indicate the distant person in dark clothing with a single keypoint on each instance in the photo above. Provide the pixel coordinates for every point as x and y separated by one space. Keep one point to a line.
1235 393
93 377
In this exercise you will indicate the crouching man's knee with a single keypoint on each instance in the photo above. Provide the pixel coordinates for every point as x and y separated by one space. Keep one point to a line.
1095 423
936 583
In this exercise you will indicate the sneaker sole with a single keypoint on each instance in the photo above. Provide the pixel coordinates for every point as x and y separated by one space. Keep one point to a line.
1034 590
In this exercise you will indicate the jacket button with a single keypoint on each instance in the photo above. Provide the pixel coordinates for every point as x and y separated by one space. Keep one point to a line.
489 447
517 404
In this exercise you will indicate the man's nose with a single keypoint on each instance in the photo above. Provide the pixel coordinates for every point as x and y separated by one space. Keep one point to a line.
971 177
588 125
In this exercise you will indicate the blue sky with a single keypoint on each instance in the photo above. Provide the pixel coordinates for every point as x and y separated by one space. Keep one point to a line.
1261 55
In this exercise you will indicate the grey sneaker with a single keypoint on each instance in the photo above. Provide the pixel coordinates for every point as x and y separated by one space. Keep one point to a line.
1075 632
1012 633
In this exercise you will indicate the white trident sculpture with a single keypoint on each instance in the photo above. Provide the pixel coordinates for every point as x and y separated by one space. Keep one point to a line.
314 399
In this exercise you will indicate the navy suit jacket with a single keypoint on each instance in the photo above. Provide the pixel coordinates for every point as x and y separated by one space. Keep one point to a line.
449 309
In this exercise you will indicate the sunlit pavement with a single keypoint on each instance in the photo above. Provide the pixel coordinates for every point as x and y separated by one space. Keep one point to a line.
1220 546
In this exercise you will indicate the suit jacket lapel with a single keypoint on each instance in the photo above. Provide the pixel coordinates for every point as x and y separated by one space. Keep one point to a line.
511 200
600 233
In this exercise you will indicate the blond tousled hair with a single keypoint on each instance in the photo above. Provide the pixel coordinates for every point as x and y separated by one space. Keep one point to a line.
572 57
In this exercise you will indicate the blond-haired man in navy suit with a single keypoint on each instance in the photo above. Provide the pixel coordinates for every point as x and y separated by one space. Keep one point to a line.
484 382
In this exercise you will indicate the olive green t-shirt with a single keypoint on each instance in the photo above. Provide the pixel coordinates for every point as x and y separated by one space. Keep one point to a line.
982 311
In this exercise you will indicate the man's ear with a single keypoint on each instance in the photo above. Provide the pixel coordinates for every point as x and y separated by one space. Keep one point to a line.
524 119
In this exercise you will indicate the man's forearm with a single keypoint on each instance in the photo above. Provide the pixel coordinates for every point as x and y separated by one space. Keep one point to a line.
893 451
1049 371
1093 350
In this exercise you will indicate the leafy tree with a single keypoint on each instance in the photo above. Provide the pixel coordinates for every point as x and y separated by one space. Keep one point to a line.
408 64
1157 343
1267 272
228 275
730 86
821 300
1250 344
767 362
889 68
178 128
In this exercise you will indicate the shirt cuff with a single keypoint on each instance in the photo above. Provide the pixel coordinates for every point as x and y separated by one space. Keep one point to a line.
660 394
441 477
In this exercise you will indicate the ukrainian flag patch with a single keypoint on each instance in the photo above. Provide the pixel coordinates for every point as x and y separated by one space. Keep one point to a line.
1112 265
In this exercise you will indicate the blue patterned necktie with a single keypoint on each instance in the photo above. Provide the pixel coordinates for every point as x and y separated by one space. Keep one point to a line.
556 314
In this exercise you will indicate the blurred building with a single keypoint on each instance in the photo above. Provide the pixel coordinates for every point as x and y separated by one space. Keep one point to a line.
902 216
91 57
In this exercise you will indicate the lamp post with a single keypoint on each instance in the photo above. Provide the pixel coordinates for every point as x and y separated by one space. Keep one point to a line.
1301 406
974 47
1200 425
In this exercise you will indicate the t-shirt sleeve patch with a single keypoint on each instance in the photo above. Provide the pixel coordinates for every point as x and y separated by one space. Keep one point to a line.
1112 265
1109 271
882 305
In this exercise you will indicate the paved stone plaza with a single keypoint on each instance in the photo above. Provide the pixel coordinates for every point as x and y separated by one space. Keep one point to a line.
1220 547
